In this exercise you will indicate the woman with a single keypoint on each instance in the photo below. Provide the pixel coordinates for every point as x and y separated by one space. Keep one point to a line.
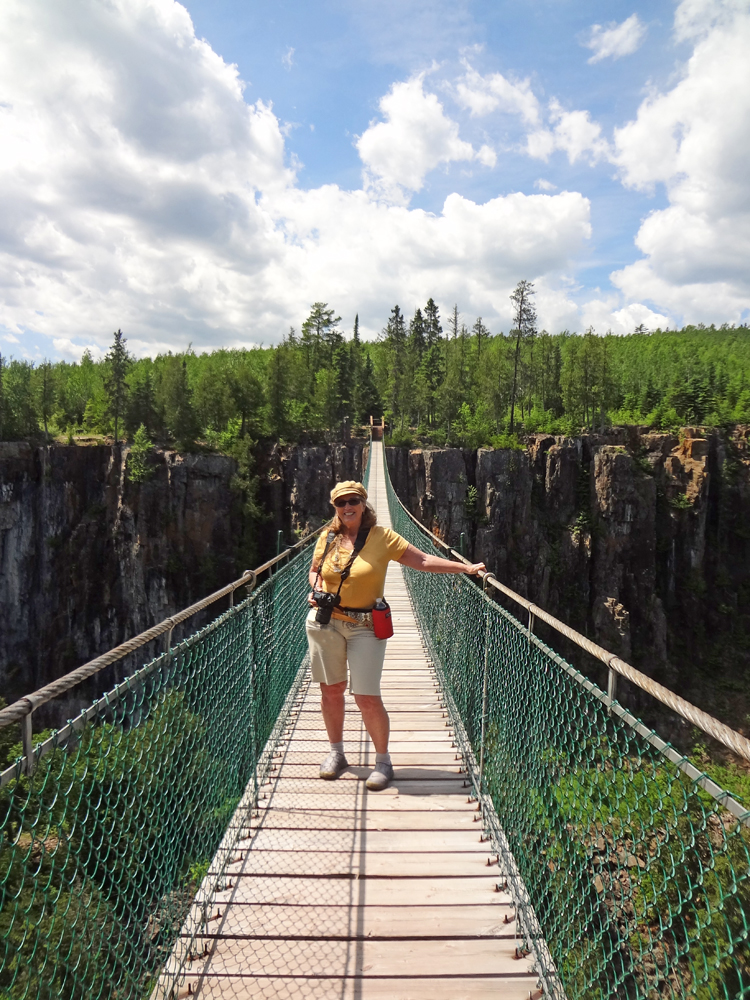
349 635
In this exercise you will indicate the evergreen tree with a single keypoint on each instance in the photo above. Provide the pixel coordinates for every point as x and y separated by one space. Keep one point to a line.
524 318
481 333
246 390
355 371
417 336
117 362
433 331
370 404
453 322
141 407
20 413
176 396
277 376
320 336
395 341
138 466
45 393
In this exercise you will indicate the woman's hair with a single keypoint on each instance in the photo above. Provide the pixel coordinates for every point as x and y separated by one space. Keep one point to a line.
369 519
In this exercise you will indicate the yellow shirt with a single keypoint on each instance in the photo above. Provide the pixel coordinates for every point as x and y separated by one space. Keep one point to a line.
366 581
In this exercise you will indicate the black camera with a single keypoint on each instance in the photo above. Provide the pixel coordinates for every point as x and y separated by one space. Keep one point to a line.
326 603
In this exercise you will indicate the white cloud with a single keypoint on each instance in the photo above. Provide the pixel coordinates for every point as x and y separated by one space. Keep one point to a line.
695 139
694 18
482 94
573 132
545 185
603 315
415 137
287 60
138 189
615 40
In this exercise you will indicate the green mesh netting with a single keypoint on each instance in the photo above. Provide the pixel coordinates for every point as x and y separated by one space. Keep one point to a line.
630 880
103 848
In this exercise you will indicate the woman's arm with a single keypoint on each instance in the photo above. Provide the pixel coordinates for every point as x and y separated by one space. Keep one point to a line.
416 559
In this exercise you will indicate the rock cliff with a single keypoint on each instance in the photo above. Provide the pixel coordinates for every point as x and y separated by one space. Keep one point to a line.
640 541
88 558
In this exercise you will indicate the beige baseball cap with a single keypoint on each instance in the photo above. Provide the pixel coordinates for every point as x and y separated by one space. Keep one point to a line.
347 489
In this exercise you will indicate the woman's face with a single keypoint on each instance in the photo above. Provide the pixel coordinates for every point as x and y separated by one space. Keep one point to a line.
350 510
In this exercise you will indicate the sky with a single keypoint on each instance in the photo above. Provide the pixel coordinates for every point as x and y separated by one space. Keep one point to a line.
201 173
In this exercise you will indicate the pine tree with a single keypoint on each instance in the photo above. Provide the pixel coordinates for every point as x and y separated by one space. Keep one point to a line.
481 332
370 404
320 336
524 319
395 340
176 396
141 408
45 393
355 371
277 381
432 328
246 390
417 335
454 323
117 362
139 469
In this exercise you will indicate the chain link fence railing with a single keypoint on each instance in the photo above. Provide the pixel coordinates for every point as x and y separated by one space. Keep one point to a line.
630 880
104 846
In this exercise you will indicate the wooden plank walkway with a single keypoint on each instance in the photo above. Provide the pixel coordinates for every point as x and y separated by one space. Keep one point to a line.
356 895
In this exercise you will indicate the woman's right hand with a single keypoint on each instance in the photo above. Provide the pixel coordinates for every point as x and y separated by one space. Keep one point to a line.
311 599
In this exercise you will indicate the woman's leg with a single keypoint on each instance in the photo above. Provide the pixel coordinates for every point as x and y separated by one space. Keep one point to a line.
375 718
332 707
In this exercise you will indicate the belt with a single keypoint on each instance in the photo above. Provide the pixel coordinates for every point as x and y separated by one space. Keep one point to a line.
353 614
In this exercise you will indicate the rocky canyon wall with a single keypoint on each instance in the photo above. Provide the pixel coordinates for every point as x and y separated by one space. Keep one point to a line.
88 558
640 541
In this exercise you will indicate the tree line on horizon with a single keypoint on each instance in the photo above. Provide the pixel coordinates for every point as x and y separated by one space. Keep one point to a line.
437 382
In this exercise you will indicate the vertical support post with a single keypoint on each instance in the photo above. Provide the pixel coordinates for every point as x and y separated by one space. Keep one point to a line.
231 598
611 688
531 623
28 746
168 640
462 545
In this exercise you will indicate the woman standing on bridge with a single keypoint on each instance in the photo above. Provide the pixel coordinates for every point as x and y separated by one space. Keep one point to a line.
358 577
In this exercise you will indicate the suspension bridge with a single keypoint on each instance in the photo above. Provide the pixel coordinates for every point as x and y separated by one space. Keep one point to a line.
538 840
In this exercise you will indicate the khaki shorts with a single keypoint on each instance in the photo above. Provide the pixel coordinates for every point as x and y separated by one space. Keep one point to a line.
333 644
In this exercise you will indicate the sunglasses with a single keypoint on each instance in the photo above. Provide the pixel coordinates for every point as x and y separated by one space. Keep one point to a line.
347 501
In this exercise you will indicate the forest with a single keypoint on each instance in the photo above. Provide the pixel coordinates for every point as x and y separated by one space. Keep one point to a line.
437 381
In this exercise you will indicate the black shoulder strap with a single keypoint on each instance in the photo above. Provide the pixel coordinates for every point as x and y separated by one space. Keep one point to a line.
329 542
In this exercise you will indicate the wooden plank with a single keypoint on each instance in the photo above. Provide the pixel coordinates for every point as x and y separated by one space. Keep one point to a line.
445 771
421 799
362 921
249 987
370 958
372 840
389 864
370 819
370 892
400 758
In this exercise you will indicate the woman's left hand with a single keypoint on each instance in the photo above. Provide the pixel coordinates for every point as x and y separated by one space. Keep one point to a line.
476 568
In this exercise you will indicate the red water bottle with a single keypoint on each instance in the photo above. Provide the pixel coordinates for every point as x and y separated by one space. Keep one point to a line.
381 619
